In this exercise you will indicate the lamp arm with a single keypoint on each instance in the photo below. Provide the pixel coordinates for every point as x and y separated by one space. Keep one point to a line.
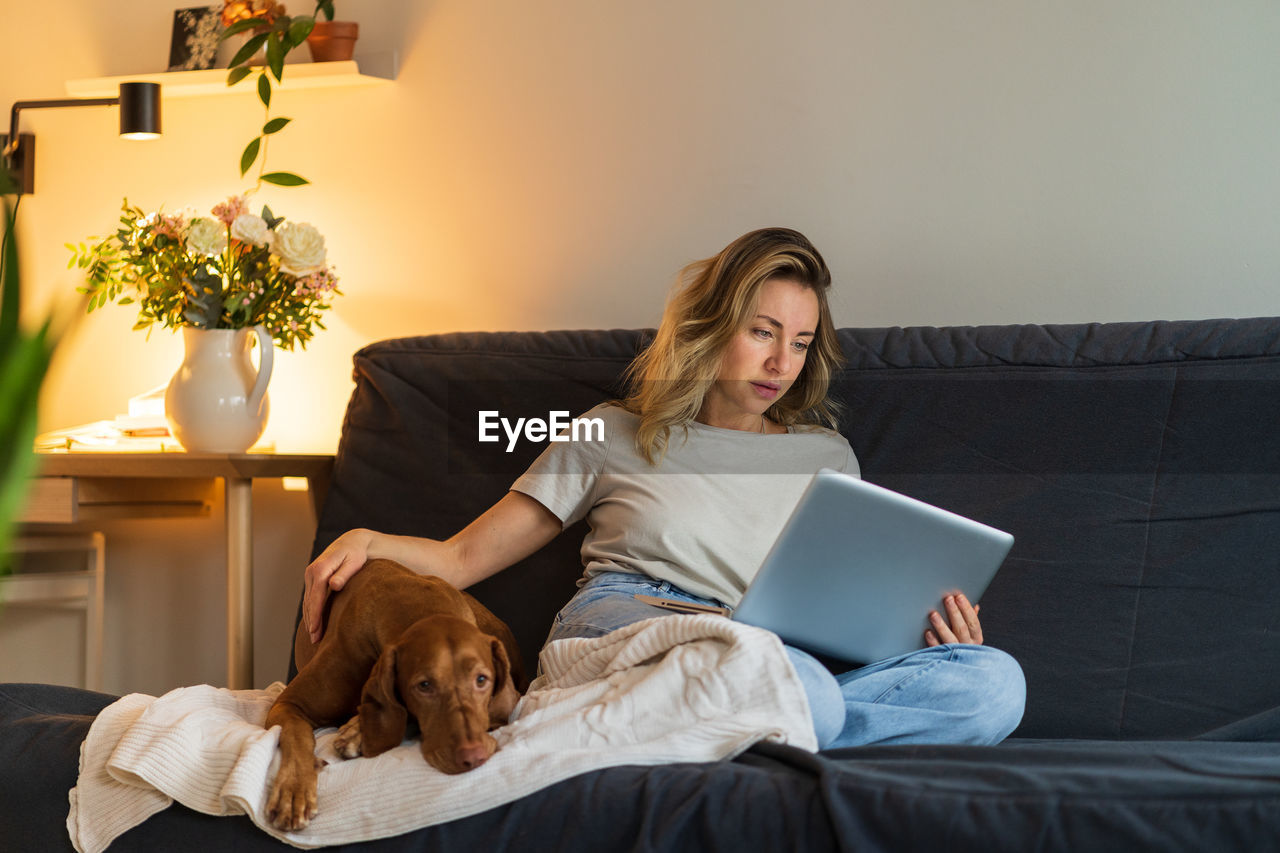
11 145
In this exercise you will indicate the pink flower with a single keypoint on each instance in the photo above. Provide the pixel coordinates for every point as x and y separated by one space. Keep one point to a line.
317 283
169 226
230 209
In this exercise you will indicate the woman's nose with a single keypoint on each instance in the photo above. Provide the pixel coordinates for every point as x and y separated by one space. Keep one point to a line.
779 360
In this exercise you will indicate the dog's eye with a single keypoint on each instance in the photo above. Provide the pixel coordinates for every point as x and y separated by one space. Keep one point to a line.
482 680
425 686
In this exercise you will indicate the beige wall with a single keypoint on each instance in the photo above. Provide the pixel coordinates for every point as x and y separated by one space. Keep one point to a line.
551 165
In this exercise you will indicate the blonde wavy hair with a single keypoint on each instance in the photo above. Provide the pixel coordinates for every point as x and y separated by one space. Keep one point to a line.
711 302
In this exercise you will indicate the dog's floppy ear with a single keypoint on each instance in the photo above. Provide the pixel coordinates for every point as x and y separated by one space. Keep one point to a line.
505 696
382 714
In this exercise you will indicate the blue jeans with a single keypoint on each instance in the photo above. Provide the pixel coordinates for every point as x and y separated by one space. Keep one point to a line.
961 694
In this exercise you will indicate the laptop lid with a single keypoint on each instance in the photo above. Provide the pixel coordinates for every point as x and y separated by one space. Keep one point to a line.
858 567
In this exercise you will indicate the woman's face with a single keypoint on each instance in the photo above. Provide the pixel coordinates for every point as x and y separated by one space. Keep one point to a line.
764 357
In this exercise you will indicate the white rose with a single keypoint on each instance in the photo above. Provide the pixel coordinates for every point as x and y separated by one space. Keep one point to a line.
206 237
248 228
300 248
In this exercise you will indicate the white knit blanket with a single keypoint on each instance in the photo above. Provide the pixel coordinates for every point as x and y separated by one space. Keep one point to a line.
670 689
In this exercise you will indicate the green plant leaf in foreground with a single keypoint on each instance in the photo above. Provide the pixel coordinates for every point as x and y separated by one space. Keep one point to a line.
24 360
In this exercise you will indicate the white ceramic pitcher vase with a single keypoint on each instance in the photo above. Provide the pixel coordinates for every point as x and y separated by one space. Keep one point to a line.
217 402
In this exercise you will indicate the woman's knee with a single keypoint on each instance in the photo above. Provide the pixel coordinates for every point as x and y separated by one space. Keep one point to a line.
999 692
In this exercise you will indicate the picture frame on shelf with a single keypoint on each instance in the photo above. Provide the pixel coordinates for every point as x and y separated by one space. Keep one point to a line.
194 43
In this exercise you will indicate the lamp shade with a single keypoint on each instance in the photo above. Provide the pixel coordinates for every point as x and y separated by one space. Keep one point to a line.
139 110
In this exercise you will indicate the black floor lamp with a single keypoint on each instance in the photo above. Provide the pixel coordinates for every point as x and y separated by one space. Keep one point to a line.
139 119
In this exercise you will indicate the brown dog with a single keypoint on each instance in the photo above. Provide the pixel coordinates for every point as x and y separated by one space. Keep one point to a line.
397 644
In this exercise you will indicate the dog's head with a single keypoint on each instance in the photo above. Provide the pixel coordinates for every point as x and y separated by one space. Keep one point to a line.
456 682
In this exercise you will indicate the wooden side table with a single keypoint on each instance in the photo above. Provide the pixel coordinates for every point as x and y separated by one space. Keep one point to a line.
76 486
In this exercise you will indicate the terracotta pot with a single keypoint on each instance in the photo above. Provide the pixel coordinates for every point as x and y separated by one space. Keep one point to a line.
332 41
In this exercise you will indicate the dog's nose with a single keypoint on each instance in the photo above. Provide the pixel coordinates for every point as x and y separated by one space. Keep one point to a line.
471 756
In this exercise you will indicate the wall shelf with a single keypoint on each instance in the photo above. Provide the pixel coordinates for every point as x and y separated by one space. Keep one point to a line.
297 75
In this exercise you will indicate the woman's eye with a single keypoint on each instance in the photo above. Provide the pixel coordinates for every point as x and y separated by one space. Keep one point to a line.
800 346
763 334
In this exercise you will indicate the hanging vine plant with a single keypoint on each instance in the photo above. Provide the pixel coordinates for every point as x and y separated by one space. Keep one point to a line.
276 33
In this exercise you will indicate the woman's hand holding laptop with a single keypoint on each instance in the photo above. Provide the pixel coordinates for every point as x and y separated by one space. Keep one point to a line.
964 626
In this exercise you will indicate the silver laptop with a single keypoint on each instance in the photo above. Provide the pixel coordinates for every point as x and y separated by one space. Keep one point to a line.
857 568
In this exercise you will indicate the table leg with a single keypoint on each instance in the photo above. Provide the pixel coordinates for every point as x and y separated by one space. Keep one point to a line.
239 583
318 488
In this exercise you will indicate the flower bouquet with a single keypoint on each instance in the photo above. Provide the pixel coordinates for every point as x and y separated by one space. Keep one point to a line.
234 270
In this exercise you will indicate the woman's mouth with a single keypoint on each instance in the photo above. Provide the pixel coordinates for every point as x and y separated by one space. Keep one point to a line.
767 390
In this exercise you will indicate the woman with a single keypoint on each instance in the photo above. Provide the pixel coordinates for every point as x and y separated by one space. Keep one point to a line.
700 467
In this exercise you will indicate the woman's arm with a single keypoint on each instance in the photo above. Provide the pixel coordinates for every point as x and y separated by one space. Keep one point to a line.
506 533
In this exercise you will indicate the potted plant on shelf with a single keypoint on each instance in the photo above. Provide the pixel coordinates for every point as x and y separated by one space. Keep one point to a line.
275 34
330 40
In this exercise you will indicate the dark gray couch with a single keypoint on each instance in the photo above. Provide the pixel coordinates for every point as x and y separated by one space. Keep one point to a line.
1138 465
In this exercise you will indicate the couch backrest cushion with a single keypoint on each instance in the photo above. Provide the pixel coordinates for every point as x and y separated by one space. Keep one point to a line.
409 461
1137 466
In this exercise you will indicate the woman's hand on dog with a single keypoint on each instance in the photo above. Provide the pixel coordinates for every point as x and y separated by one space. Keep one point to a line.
345 556
506 533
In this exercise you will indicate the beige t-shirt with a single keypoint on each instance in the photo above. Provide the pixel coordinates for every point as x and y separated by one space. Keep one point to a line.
703 518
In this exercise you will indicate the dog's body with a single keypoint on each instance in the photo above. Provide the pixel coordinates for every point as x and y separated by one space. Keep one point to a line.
396 644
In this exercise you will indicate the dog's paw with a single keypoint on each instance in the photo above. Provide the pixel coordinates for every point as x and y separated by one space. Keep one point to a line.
348 743
292 803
